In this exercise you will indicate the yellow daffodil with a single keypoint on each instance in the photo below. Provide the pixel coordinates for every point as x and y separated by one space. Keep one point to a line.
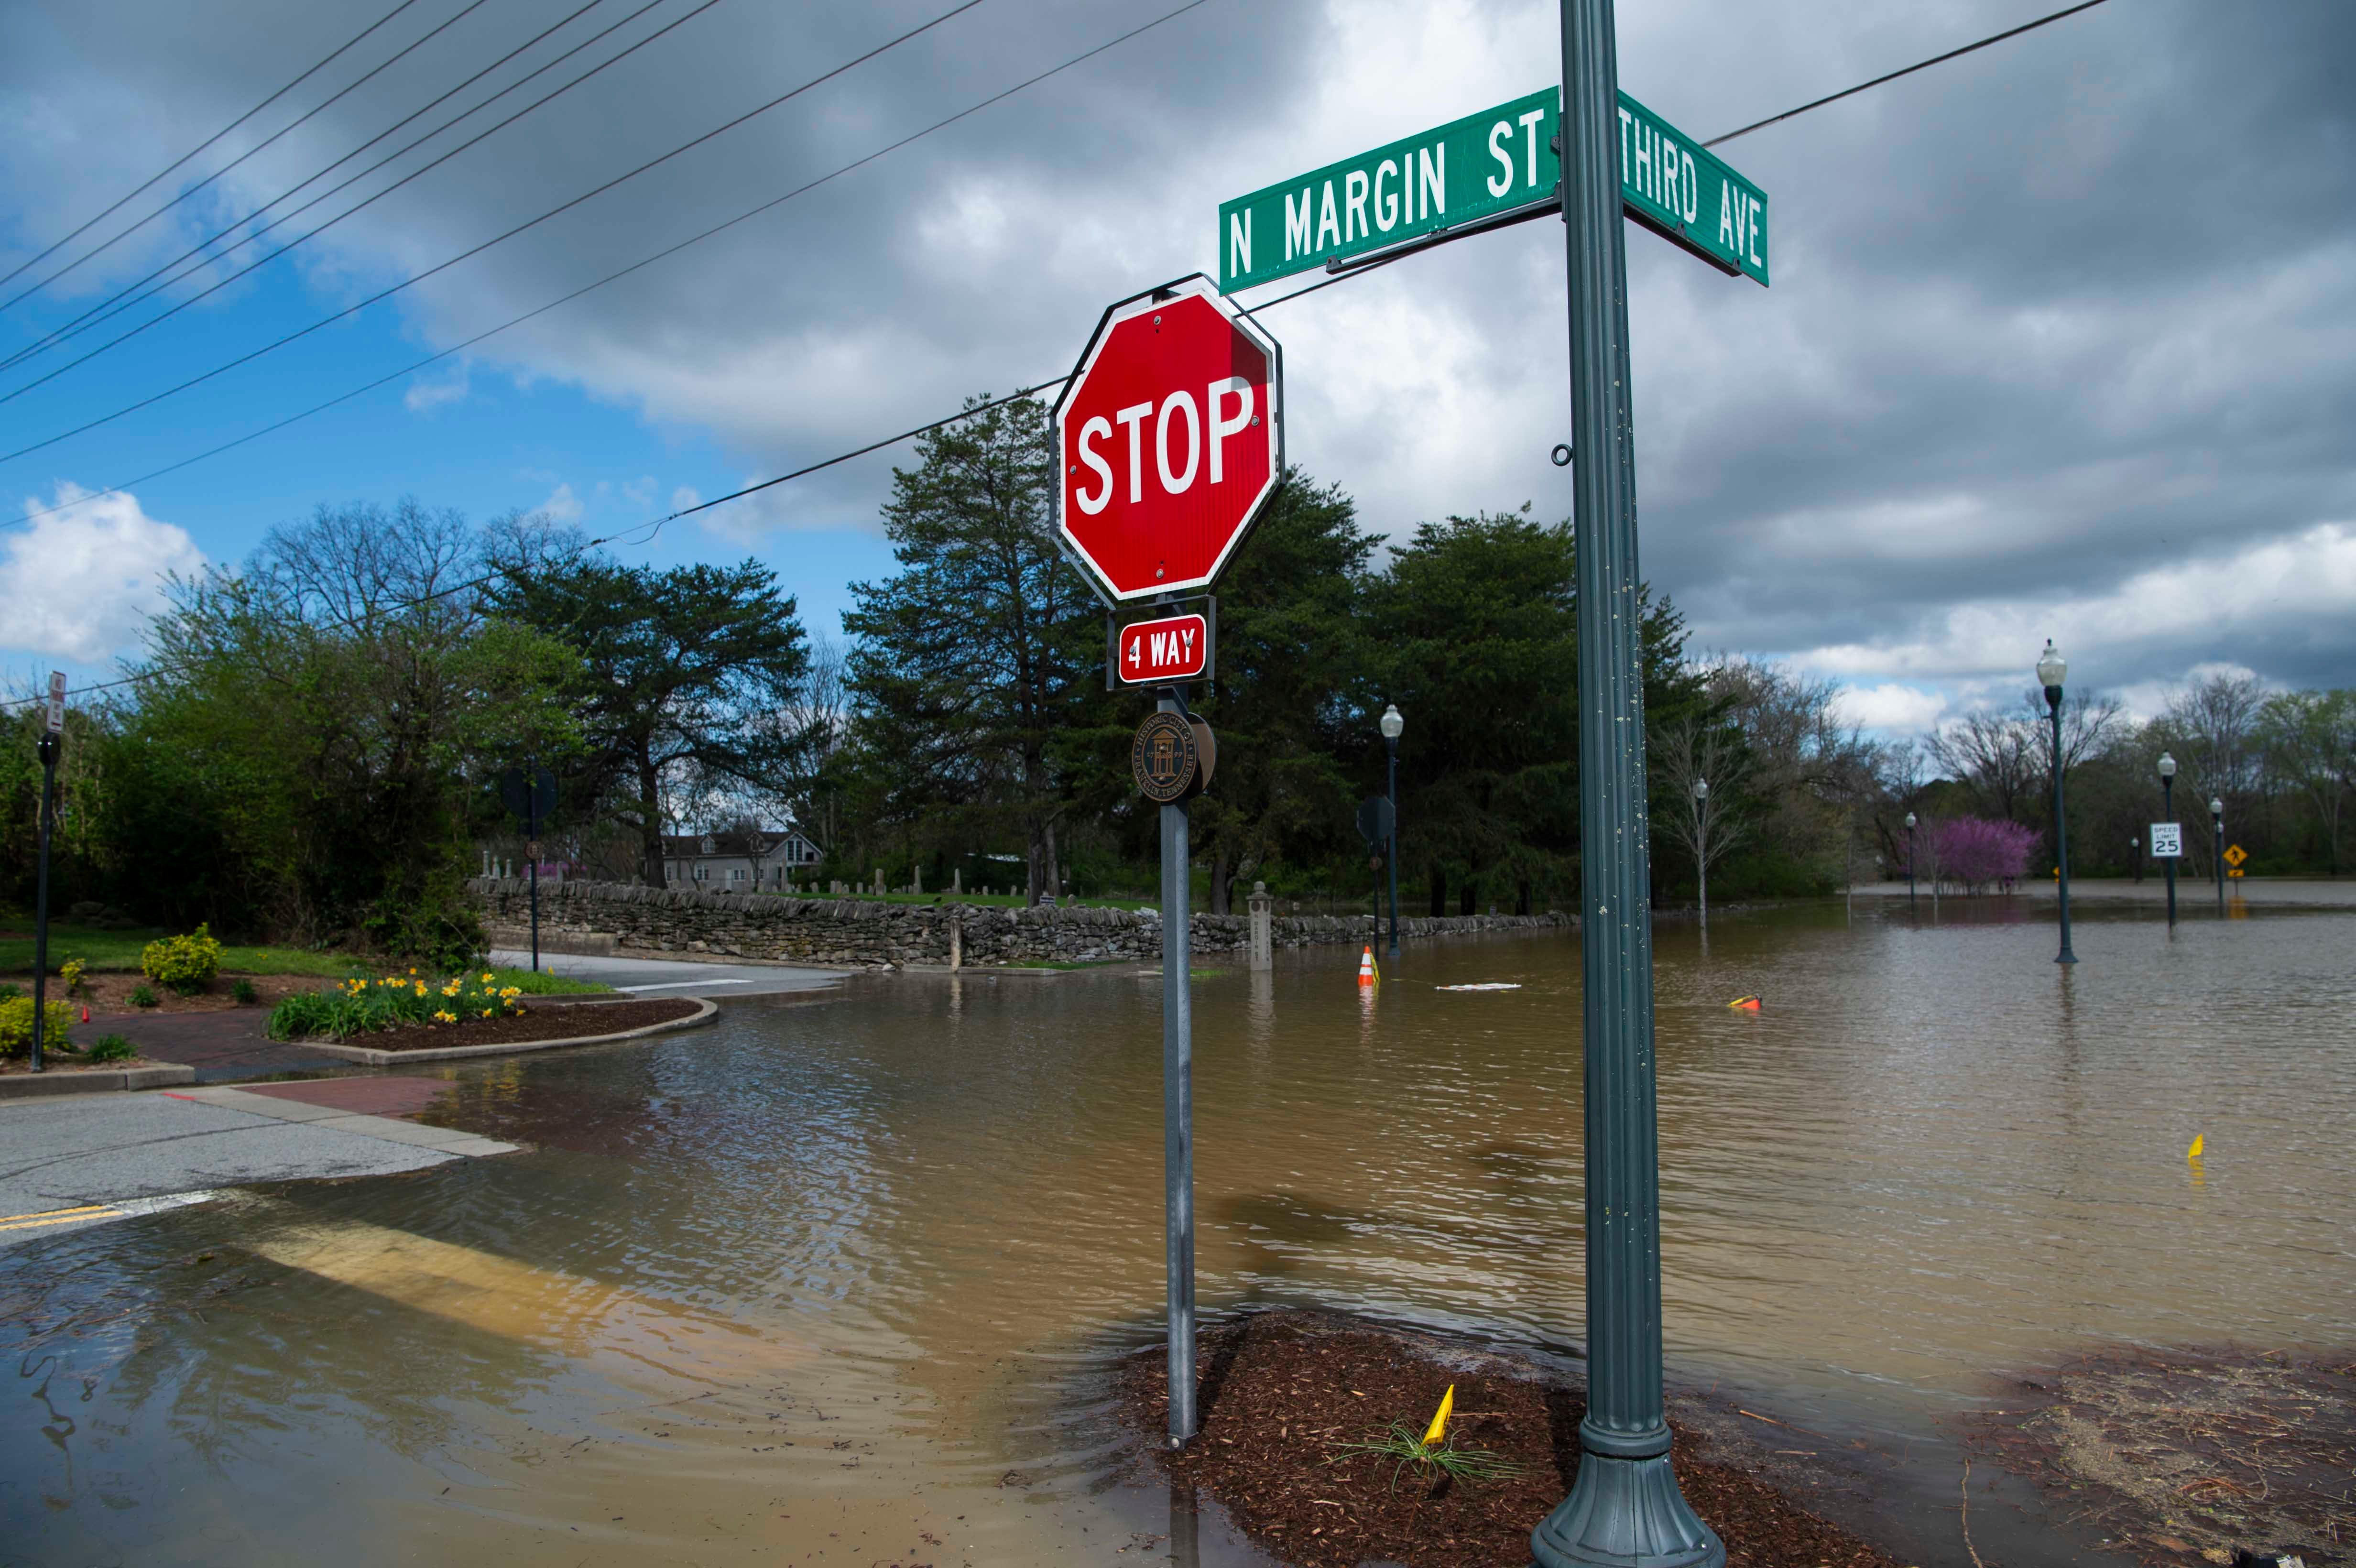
489 978
486 1012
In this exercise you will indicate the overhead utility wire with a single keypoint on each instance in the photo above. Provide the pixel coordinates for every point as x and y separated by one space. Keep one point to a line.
349 86
1910 70
330 223
800 190
124 199
614 276
1264 305
105 308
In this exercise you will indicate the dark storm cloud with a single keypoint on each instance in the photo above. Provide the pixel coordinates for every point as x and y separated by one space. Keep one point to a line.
2049 323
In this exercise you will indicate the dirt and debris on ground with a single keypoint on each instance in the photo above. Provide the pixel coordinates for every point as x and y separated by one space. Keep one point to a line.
2191 1455
108 992
543 1020
1280 1391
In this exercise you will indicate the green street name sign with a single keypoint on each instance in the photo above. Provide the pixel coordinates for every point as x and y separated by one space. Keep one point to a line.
1481 167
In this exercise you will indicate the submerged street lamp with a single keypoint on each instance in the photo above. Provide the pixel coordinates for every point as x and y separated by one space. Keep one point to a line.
2050 669
1910 862
1701 845
2168 813
1391 724
2217 825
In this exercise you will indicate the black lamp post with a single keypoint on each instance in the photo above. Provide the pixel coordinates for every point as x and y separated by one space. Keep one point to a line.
2217 825
2050 669
1391 724
2168 812
1910 862
1701 846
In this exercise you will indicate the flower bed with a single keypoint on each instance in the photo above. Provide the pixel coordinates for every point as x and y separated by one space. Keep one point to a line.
562 1021
360 1005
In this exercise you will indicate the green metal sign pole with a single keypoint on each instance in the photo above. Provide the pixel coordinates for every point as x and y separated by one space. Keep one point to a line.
1625 1509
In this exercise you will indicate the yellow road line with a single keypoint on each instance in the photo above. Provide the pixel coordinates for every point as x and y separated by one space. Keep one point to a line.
45 1214
64 1216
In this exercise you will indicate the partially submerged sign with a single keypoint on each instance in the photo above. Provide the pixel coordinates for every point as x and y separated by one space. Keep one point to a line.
1485 166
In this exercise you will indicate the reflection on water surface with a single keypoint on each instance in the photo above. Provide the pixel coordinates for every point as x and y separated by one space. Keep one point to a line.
838 1276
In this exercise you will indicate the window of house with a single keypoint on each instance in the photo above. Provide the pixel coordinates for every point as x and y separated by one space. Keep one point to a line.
702 873
737 873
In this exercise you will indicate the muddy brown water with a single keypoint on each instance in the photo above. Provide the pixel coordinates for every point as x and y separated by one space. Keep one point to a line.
837 1282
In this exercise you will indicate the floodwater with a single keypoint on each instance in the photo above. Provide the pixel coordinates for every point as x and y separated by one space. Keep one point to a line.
835 1280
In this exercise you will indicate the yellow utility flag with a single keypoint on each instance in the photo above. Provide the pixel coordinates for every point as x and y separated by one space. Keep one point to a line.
1439 1428
2194 1152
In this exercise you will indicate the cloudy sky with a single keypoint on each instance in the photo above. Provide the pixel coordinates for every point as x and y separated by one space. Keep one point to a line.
2061 340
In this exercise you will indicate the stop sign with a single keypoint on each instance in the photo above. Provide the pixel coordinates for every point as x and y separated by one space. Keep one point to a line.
1171 439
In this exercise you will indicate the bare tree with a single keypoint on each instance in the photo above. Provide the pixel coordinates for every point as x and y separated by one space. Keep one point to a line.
1704 763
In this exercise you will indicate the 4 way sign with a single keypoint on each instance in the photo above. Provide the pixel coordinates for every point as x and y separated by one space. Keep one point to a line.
1489 168
1159 652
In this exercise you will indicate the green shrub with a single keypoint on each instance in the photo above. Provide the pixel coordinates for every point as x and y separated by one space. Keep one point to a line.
113 1047
10 990
16 1026
186 964
244 994
142 996
358 1005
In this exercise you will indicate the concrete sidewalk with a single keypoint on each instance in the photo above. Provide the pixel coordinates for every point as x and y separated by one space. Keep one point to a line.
82 1160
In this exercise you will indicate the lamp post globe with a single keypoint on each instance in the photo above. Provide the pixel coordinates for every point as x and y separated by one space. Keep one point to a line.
2168 813
2050 669
1392 724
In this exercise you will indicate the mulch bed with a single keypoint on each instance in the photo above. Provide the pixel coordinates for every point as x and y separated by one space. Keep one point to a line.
53 1061
543 1020
2191 1456
1278 1390
110 992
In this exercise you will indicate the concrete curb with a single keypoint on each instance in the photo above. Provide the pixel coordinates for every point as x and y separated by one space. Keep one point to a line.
706 1010
97 1080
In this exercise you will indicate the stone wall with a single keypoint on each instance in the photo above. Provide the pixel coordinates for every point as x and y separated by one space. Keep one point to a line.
590 917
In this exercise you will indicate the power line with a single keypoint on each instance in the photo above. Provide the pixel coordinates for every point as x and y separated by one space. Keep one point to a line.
330 223
124 199
1919 65
1264 305
101 311
351 86
800 190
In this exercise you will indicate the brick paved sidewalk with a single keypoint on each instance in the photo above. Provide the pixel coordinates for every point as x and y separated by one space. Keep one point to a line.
221 1046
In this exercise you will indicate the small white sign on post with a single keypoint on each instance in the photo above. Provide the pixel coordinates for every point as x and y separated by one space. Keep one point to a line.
2167 841
57 701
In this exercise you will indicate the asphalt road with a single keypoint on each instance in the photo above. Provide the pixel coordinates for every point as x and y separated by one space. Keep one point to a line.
666 976
86 1159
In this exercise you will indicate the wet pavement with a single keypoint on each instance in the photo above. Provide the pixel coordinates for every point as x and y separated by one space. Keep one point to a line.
838 1278
677 977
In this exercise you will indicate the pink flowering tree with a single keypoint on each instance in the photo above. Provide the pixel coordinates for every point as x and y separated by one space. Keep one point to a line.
1977 852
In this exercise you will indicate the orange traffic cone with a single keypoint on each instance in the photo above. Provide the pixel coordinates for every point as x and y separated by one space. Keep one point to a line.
85 1012
1748 1004
1366 975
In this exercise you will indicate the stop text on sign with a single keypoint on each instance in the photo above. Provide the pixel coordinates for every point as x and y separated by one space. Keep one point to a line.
1175 648
1169 442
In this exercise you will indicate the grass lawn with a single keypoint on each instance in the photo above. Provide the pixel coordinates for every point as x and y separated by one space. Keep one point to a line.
120 950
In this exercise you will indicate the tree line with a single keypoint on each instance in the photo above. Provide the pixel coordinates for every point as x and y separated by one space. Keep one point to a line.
310 745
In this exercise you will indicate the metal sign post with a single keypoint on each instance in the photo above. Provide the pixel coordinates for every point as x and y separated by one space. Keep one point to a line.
1624 1508
1172 758
530 793
52 737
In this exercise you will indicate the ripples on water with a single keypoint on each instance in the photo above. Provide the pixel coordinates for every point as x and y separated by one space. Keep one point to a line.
870 1251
